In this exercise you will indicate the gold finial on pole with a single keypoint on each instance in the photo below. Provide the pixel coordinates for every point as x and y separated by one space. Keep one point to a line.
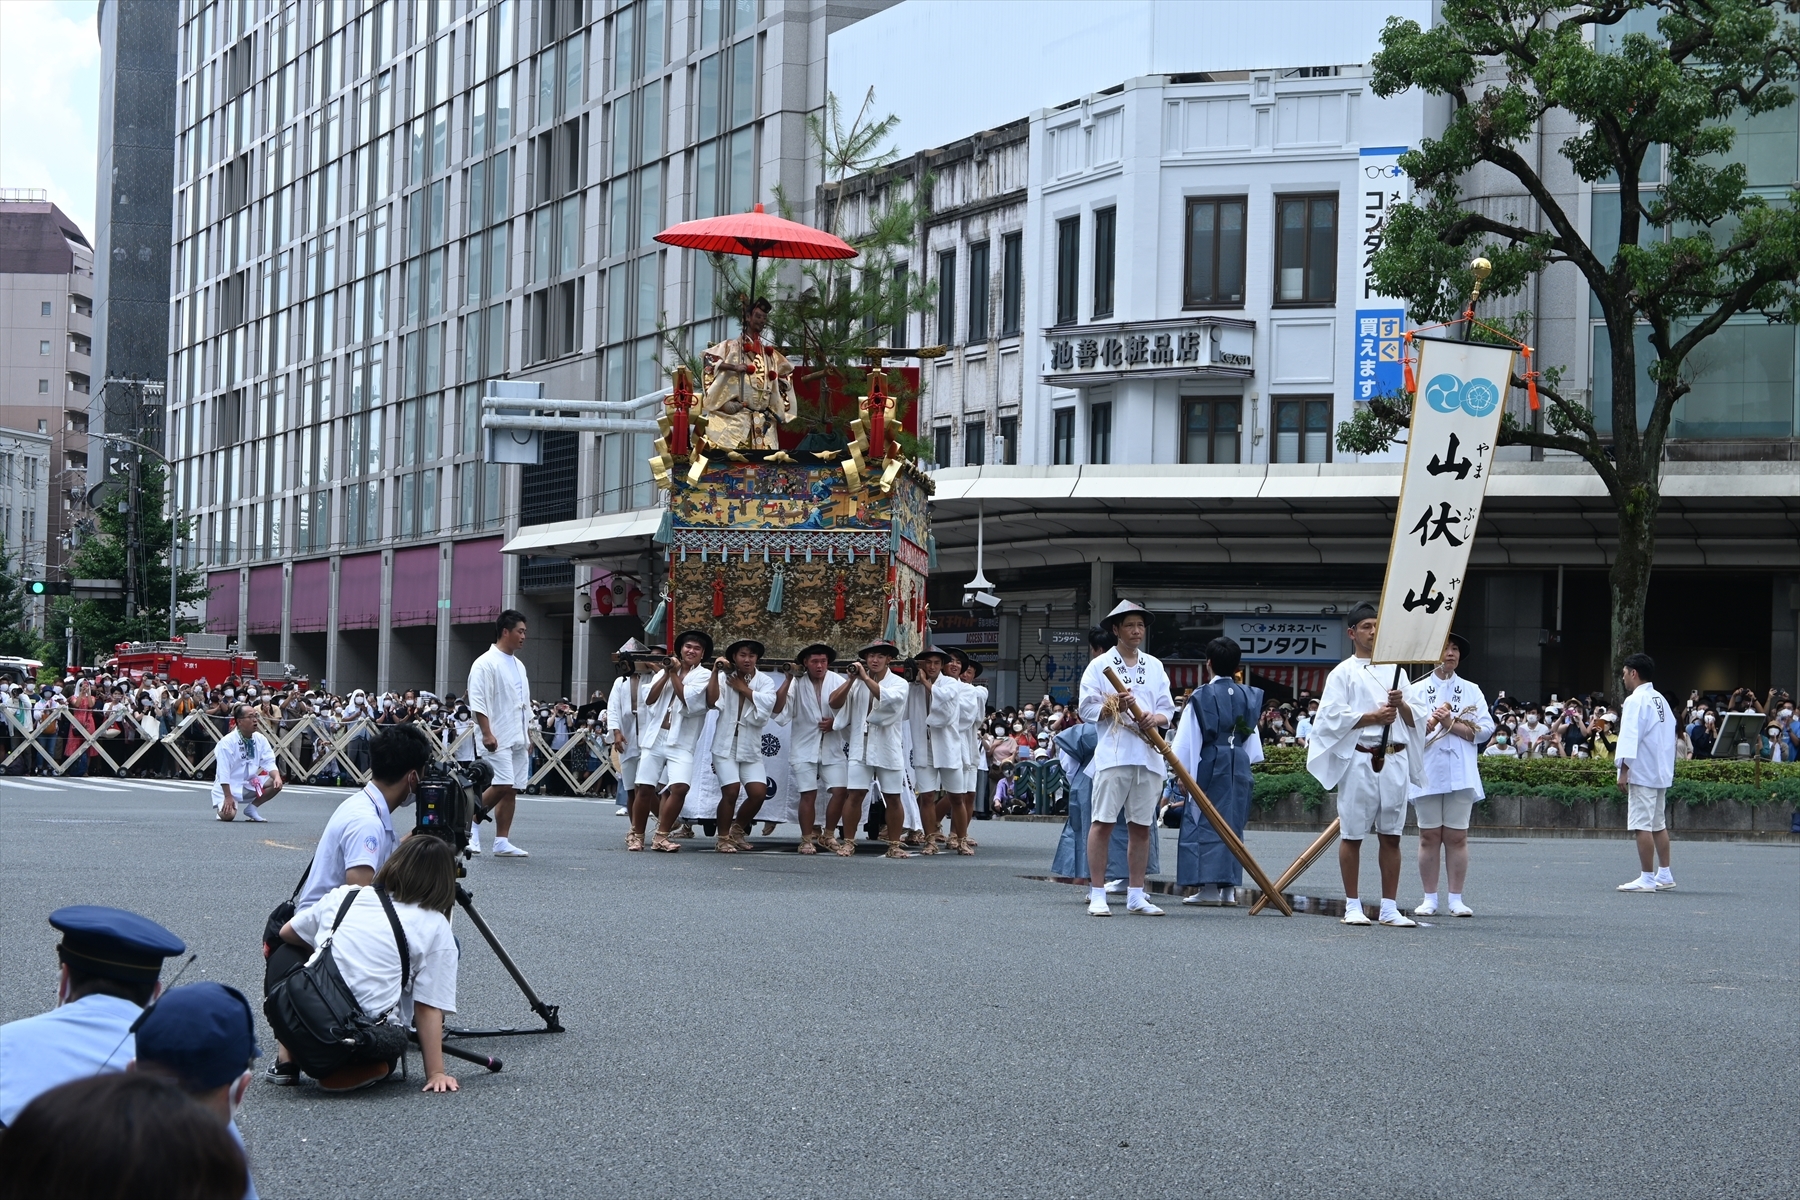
1482 269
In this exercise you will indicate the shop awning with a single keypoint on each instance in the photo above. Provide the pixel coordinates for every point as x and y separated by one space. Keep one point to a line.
1537 514
606 536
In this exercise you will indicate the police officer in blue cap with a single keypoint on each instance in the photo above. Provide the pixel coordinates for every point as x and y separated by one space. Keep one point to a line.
204 1037
110 963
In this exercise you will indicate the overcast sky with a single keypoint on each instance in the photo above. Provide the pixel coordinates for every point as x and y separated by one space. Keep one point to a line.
49 101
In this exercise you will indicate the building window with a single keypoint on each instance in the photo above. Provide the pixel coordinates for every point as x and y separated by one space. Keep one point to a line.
1100 433
946 331
1302 430
978 292
897 335
1211 431
1009 441
1306 249
1063 450
44 308
43 347
940 451
1012 278
1068 269
974 443
1106 223
1215 254
43 387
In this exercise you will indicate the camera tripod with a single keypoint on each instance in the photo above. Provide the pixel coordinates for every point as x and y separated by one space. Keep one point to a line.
548 1012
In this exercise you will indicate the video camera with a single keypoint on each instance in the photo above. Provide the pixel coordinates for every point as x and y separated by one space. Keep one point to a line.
448 801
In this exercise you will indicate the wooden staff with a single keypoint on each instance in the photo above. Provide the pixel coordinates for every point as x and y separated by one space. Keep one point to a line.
1306 860
1225 832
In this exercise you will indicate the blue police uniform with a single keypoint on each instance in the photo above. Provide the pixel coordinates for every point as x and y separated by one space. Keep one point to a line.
206 1035
93 1034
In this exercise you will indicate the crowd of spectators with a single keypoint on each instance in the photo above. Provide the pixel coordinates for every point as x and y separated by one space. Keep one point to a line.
121 713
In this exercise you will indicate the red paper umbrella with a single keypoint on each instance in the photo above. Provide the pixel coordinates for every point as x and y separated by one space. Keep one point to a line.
758 235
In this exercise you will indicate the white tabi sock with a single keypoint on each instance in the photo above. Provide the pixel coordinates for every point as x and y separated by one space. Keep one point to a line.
1134 897
1663 876
1097 893
1648 877
1388 908
1351 902
1455 899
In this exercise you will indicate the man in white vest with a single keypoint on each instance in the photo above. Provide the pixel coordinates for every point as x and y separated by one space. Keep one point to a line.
624 708
674 718
934 711
745 700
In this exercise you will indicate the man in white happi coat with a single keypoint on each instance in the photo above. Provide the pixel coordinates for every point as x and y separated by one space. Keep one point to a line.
873 701
1456 721
1127 769
934 710
674 717
745 700
969 776
1372 778
1646 757
817 744
624 708
244 771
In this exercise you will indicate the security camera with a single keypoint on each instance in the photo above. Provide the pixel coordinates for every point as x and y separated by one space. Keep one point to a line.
987 598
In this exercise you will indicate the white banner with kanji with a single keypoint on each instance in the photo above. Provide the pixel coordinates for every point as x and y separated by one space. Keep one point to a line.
1449 453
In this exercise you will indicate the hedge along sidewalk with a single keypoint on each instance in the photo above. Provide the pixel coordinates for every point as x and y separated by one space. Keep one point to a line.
1727 797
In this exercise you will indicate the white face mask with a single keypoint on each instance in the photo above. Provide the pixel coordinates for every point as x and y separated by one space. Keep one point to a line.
1532 719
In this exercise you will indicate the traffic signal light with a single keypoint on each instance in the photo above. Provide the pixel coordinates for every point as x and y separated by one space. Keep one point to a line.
48 587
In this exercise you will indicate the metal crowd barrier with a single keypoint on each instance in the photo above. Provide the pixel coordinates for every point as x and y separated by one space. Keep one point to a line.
305 747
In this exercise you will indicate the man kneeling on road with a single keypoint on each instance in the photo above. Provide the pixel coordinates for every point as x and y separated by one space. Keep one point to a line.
244 771
357 841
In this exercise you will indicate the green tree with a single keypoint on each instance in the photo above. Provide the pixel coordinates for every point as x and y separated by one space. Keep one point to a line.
1692 253
102 624
839 308
16 635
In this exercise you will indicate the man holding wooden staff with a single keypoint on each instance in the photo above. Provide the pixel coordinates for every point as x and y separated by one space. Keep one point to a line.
1127 769
1364 725
1218 743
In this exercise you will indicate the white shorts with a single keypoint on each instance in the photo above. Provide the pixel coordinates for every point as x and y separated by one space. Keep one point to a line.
1645 808
731 771
628 768
512 765
1370 802
861 775
813 777
1128 791
958 781
1445 810
930 779
663 769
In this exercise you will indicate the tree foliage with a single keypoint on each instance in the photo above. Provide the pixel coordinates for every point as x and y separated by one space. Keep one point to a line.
1694 249
102 624
17 637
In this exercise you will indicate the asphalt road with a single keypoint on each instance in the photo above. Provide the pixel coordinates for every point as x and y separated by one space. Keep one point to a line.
771 1025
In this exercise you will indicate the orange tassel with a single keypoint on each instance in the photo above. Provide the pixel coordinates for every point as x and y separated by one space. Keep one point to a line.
1531 378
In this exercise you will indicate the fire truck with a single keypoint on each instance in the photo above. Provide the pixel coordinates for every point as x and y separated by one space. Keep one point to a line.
200 658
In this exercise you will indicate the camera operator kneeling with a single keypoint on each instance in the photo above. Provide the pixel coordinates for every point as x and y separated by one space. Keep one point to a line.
420 879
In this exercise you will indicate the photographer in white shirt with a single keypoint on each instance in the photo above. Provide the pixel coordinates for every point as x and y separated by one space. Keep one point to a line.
500 699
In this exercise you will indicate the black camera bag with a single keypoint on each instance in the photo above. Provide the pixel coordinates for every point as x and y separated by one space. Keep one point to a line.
316 1017
282 913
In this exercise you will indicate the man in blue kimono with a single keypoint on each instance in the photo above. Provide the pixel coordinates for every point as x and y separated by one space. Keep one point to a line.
1075 750
1217 741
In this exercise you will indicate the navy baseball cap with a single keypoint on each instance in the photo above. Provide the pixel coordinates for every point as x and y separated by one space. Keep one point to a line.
203 1033
113 943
